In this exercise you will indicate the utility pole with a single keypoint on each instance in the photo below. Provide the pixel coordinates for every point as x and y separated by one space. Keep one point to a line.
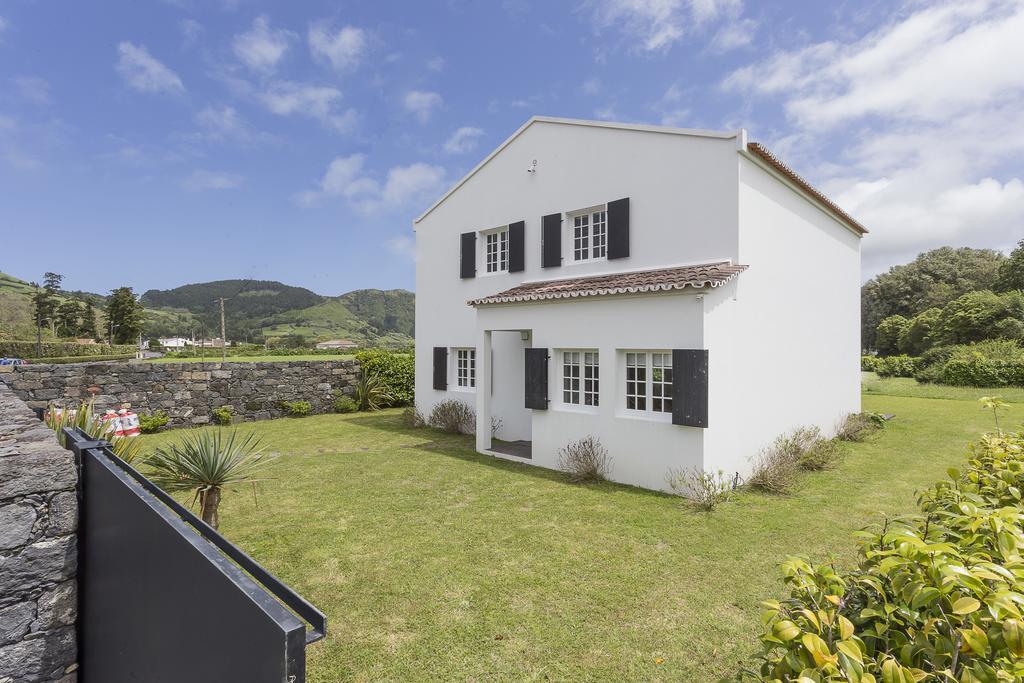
223 334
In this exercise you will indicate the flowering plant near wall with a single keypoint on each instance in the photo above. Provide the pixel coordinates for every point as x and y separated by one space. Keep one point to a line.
936 596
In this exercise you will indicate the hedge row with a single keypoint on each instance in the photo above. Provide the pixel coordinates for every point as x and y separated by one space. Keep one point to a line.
890 366
84 359
982 372
252 350
27 349
937 596
397 372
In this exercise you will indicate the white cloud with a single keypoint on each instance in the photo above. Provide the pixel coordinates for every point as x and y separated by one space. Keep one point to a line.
144 73
920 119
211 180
286 98
422 103
463 140
591 86
436 64
343 48
655 25
346 178
734 34
262 47
402 246
34 90
225 123
190 31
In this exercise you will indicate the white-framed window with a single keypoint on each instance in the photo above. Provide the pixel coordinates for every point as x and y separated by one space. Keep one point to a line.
581 381
496 250
589 234
465 368
649 381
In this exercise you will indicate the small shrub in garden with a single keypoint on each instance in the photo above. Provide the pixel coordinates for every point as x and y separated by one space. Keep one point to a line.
370 392
453 416
585 460
869 363
823 454
222 415
344 404
412 417
150 424
706 490
776 467
857 426
934 597
296 408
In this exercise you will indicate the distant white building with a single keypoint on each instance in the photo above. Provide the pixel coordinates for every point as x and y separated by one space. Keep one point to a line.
681 295
174 342
337 344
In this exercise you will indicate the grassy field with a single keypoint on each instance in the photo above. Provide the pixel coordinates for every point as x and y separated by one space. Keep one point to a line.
215 358
910 387
435 563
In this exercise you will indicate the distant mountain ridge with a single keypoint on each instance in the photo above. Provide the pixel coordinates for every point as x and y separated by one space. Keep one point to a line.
253 309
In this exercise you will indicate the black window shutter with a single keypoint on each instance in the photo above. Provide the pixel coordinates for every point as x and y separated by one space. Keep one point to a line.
467 266
537 379
440 368
690 387
551 241
618 228
517 247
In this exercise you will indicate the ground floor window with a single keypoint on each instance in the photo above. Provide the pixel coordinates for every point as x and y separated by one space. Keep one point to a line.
649 381
580 378
465 368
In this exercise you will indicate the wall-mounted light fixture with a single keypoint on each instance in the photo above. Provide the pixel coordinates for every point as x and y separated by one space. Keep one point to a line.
533 167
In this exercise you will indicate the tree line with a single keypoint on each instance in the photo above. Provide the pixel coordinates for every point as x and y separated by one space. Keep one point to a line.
71 314
944 297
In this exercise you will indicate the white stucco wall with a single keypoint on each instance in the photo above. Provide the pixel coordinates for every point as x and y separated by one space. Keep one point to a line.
795 326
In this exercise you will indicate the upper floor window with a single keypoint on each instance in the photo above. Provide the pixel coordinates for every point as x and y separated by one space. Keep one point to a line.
649 381
496 250
590 234
465 368
580 378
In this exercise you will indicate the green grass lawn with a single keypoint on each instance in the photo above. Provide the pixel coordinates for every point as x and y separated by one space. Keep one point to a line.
214 357
435 563
908 386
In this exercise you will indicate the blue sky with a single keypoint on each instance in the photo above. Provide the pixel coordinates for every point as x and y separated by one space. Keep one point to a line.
160 143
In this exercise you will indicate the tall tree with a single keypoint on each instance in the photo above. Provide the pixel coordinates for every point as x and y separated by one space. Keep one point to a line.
124 316
1011 273
44 306
67 316
51 281
87 326
934 278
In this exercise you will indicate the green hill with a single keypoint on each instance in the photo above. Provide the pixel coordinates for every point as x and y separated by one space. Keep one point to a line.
253 309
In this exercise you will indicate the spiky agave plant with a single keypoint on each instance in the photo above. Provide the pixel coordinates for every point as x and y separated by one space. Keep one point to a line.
124 447
205 463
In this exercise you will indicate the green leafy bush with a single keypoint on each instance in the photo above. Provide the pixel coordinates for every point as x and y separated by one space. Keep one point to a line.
222 415
64 360
370 392
896 366
888 334
869 363
51 350
396 372
150 424
990 363
344 404
935 596
296 408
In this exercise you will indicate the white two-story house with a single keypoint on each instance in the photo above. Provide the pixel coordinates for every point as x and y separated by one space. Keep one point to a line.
681 295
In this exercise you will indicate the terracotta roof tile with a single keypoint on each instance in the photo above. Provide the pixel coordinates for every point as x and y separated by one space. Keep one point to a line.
761 151
638 282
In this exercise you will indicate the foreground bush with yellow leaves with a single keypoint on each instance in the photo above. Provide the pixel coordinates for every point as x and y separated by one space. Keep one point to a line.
935 597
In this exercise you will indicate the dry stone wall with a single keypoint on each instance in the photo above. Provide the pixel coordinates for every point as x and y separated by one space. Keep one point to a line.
187 392
38 549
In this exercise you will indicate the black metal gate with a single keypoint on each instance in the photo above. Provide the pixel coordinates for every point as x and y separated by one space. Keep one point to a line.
163 598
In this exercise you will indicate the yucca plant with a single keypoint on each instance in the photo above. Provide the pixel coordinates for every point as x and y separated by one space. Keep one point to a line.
124 447
371 393
206 463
